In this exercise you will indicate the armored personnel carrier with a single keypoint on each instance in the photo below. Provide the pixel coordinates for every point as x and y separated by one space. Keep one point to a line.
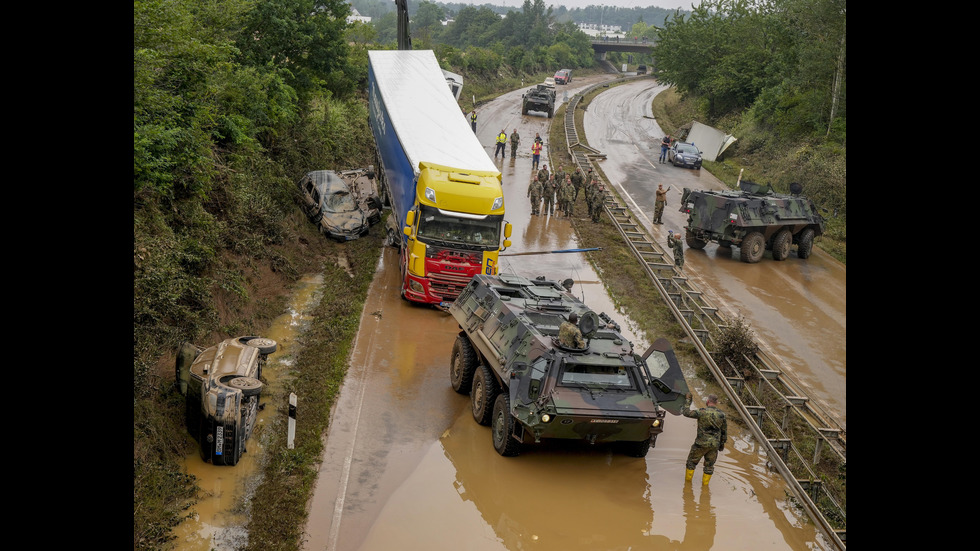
540 98
529 387
755 219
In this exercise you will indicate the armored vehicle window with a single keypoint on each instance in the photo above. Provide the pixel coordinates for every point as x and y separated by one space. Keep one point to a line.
538 319
615 376
657 363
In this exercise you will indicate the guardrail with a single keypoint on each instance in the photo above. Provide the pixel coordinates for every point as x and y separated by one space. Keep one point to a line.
796 432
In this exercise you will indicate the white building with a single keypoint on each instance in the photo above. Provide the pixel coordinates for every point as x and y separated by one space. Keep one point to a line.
354 16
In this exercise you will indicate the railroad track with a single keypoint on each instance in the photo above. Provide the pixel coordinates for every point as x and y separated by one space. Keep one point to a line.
798 434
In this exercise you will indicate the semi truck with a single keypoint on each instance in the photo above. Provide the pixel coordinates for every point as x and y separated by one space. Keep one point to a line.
445 193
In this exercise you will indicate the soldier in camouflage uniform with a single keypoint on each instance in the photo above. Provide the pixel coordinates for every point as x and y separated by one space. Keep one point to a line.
515 139
678 246
559 175
534 192
598 197
549 192
543 175
569 335
578 180
566 194
712 434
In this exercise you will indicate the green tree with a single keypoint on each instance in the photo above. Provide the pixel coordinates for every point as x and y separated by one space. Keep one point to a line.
305 38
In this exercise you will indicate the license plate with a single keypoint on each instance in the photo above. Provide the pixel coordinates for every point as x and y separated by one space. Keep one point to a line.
219 442
445 304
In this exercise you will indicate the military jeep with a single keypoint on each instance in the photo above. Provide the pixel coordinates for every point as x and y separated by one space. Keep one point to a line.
528 386
221 385
755 219
540 98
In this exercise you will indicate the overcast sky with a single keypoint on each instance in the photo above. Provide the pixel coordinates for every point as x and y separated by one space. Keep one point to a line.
668 4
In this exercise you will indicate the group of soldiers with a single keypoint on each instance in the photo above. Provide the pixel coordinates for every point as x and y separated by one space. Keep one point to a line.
556 194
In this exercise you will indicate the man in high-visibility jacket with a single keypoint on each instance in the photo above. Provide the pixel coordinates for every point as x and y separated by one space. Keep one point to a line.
501 145
535 154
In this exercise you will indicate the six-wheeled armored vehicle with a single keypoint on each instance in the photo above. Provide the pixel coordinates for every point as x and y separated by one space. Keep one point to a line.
755 219
528 386
222 386
540 98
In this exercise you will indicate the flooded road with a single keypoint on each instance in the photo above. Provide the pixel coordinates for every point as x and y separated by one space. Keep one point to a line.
218 520
406 467
796 308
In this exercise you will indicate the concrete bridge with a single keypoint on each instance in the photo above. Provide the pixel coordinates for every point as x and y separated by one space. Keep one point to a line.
621 44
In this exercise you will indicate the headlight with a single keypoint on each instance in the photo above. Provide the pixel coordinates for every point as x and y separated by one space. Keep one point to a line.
415 286
546 418
430 194
497 203
656 423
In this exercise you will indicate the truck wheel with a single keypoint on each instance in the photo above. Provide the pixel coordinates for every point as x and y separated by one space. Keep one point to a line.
524 110
483 395
462 365
781 245
694 242
503 427
248 385
635 449
753 247
805 246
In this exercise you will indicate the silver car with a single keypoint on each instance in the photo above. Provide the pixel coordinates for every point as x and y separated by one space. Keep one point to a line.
684 154
342 204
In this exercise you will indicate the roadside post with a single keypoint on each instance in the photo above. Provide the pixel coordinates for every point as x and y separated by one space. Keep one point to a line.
291 429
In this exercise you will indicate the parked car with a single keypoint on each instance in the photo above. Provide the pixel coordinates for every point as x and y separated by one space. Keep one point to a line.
564 76
684 154
641 70
343 205
221 387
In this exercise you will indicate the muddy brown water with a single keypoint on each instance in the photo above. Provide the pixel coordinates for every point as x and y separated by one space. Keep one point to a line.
218 519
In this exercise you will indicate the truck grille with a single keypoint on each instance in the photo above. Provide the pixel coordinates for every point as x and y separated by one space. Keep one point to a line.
447 286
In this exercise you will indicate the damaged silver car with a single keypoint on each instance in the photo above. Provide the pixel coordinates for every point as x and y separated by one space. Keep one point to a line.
344 204
222 386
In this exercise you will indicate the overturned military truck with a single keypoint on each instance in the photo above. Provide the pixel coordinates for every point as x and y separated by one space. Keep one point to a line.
529 387
755 219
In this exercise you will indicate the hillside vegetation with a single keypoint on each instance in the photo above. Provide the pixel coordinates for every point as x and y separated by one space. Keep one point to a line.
234 100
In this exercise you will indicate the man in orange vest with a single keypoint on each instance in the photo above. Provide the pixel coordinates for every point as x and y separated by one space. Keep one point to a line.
535 154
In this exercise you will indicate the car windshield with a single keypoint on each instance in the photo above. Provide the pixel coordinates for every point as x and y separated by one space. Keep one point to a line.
434 226
608 376
340 201
687 149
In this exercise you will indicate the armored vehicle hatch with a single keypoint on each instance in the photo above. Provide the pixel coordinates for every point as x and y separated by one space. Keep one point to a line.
529 386
755 219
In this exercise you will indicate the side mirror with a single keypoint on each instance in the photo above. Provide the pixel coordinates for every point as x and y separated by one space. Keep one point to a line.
410 218
508 229
506 243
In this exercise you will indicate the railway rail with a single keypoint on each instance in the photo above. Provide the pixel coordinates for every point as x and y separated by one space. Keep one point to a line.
800 437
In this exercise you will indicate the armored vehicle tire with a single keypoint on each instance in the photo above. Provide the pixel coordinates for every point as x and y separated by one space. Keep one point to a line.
483 395
524 110
249 386
636 449
503 427
753 247
694 242
462 365
805 246
781 245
